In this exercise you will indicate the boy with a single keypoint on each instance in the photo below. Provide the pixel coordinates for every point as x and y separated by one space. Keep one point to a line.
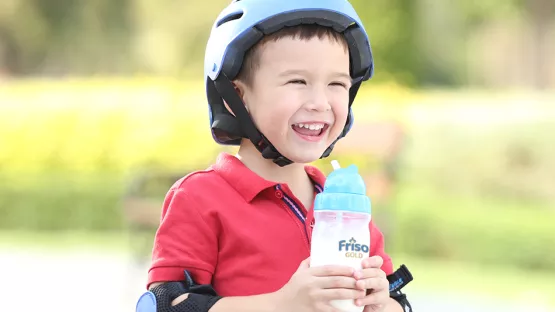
281 76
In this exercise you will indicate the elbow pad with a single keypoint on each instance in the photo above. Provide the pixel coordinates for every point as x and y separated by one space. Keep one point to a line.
159 299
397 281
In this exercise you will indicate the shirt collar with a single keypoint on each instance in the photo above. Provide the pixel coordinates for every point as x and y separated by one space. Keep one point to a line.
249 184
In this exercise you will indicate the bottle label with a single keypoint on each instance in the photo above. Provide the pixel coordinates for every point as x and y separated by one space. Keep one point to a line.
351 249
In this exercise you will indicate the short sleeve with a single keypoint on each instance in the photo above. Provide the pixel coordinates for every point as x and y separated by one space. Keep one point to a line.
183 241
377 248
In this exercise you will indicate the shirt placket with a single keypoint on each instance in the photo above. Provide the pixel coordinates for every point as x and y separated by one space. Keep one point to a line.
296 210
303 218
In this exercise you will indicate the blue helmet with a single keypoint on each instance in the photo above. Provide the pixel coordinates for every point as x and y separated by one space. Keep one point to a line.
239 27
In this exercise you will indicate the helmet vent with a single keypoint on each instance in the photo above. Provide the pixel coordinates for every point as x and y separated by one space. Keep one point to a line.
229 18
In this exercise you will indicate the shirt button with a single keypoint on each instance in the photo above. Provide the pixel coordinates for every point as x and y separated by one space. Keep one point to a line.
279 194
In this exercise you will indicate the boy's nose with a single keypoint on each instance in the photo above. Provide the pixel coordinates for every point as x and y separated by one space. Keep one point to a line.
318 101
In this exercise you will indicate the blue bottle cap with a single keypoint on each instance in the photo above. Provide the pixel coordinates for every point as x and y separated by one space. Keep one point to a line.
344 190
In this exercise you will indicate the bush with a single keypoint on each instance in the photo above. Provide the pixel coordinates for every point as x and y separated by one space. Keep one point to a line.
69 151
61 202
485 149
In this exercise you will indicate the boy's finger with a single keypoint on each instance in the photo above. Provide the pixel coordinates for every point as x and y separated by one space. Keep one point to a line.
328 282
376 284
373 299
341 294
372 262
332 270
369 273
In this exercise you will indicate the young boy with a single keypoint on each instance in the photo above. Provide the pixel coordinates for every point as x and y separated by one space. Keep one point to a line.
281 76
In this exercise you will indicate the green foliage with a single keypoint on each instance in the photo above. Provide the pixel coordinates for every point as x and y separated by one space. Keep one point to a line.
64 165
510 159
414 42
56 201
477 182
494 231
391 26
57 37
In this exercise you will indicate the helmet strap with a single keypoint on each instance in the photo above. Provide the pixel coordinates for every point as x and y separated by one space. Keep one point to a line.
227 91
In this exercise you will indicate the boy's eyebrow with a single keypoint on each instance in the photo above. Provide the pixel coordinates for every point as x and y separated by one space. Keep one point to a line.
343 75
300 72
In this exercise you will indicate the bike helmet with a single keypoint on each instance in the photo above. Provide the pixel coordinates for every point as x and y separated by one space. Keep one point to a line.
239 27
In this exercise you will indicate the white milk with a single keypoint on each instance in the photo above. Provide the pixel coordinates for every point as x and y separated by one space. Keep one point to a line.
341 239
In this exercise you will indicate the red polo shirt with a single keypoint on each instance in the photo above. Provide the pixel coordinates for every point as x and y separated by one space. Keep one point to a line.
231 228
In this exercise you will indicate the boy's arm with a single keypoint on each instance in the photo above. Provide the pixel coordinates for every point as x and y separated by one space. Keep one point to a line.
394 306
186 240
257 303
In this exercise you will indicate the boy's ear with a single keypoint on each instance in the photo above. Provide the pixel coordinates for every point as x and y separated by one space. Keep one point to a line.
240 89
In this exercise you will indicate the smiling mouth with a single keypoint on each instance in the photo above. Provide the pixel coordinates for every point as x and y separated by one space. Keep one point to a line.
310 131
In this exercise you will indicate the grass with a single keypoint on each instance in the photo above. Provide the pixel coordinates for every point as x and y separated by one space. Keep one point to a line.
499 282
65 241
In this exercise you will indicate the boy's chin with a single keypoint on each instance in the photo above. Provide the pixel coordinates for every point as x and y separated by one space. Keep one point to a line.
304 157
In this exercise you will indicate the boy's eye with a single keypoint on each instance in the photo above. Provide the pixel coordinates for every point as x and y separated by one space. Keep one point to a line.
340 84
297 81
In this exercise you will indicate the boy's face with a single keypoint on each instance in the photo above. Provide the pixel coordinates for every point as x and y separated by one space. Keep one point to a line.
299 95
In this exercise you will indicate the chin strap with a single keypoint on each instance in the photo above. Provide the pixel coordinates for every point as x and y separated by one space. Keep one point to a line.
248 130
246 124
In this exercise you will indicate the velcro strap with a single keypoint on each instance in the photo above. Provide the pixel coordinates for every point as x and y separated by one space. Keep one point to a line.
402 300
399 279
159 299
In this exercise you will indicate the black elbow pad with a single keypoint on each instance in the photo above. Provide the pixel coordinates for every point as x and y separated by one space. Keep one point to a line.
158 299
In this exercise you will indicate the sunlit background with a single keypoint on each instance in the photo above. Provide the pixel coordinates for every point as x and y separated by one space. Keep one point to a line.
102 108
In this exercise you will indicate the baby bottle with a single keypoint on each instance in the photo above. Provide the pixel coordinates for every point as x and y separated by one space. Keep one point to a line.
341 234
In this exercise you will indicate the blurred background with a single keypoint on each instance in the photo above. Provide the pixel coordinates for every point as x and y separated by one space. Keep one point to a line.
102 108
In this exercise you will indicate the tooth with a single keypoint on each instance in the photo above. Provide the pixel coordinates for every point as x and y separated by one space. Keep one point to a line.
310 126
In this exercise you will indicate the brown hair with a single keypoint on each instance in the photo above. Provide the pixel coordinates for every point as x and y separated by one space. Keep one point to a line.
251 62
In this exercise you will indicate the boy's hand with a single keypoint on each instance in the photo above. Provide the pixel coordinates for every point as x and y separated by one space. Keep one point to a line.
372 279
312 289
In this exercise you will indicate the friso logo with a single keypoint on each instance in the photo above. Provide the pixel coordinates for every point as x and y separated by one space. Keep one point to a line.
352 249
